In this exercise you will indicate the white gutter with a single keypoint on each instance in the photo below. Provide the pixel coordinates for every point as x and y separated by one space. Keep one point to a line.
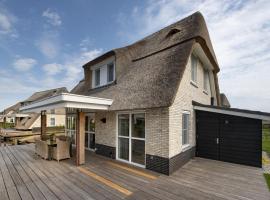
67 100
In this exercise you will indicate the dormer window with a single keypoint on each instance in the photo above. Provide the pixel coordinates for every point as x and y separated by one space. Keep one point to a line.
110 72
97 77
103 73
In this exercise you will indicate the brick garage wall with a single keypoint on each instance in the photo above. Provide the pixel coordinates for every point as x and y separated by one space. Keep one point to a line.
105 134
183 102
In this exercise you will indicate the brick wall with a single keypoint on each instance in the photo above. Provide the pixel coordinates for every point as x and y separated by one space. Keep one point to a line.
157 132
106 132
187 93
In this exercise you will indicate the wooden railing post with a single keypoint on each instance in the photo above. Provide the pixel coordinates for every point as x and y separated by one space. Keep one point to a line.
43 124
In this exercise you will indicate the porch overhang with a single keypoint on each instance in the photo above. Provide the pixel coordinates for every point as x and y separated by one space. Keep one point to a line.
233 111
67 100
17 115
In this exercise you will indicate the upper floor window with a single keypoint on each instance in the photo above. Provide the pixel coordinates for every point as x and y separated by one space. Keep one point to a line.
97 77
110 72
104 74
52 111
205 80
194 62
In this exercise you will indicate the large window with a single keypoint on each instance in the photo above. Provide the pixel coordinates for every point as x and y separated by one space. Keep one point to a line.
97 77
205 80
194 63
131 138
185 128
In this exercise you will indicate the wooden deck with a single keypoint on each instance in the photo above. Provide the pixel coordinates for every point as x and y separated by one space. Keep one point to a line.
23 175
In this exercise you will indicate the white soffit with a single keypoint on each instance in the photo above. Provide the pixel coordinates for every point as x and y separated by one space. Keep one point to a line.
17 115
232 112
67 100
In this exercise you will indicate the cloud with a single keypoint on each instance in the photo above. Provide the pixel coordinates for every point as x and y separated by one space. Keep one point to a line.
24 64
53 18
239 32
7 21
52 68
48 44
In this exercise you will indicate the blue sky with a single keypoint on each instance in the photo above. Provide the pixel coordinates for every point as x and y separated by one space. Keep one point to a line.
43 44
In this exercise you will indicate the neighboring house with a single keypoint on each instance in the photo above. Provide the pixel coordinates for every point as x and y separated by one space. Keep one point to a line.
32 120
138 104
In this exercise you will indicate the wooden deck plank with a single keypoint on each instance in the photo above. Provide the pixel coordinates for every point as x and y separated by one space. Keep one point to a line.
19 184
23 173
97 187
36 194
70 189
8 181
35 175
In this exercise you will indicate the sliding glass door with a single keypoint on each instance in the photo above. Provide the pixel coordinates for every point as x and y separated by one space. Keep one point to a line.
131 138
90 132
71 128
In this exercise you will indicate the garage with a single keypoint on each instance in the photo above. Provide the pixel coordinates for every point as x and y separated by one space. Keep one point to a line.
230 135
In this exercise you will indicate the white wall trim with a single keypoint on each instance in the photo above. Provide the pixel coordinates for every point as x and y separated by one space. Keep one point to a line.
235 113
67 100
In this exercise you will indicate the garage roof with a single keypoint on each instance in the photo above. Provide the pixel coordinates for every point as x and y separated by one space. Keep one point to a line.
232 111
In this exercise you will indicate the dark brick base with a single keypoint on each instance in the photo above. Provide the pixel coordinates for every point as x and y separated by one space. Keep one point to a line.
105 150
180 159
168 166
157 164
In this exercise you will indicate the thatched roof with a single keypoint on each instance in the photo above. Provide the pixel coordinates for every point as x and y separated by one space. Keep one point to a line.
148 72
35 97
43 94
224 101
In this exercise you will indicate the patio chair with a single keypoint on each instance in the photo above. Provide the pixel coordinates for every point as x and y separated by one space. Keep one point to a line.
61 151
42 149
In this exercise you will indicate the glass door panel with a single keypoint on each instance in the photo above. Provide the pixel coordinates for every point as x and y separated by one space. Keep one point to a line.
123 148
123 125
92 141
138 152
90 131
138 125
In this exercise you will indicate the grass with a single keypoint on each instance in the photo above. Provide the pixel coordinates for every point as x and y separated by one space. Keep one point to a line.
266 140
6 125
267 179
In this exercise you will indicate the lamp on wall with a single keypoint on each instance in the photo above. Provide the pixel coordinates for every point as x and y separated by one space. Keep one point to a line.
103 120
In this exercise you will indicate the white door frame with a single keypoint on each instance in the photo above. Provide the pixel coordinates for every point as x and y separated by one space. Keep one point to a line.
130 137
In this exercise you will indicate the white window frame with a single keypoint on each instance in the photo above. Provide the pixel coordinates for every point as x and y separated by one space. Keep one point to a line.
113 63
194 69
52 118
184 145
70 132
130 137
95 75
89 132
206 80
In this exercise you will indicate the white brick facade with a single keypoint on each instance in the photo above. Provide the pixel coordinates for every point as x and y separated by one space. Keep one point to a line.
187 92
106 132
164 125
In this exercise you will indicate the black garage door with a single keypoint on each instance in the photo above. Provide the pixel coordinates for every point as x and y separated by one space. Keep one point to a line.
229 138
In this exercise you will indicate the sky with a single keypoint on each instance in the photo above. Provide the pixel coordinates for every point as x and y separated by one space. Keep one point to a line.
43 44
